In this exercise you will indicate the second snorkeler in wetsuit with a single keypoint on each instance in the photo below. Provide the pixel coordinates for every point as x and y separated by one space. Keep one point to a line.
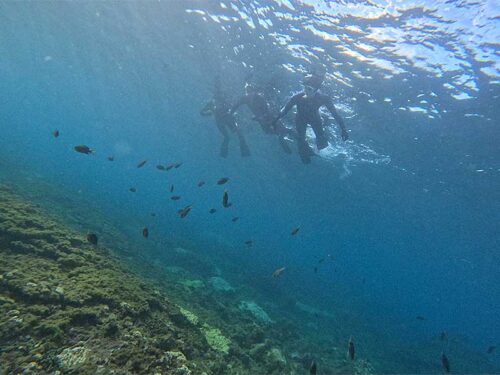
308 104
220 108
262 114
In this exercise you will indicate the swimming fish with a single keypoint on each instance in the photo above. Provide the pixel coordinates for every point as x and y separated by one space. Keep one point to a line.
225 200
55 133
350 349
278 272
249 243
133 189
111 158
443 336
145 232
160 167
170 166
315 269
92 238
141 164
177 165
201 183
82 149
445 362
153 214
295 231
420 317
171 188
212 210
222 180
175 197
491 349
235 219
329 256
184 211
313 369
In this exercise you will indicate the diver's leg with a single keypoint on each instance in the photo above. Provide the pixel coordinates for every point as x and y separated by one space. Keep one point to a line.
304 149
319 132
244 149
281 131
224 147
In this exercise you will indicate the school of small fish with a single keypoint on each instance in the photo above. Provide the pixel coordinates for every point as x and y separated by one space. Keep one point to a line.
92 238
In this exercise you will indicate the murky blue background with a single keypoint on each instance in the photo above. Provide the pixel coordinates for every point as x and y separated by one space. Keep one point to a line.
408 208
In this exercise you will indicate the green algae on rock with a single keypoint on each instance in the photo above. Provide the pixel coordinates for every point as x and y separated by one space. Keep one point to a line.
216 339
67 306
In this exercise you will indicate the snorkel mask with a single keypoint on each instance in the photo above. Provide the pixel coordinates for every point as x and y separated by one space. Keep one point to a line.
309 90
312 83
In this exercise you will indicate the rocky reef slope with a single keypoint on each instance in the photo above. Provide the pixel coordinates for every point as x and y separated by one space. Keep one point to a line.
70 307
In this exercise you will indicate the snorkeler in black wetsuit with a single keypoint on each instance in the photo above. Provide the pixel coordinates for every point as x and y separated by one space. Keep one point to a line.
308 104
219 107
262 114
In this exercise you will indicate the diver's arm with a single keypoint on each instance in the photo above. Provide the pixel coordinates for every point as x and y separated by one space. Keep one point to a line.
286 109
239 103
340 121
208 110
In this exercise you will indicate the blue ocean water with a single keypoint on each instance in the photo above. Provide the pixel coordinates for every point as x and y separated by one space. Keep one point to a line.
408 208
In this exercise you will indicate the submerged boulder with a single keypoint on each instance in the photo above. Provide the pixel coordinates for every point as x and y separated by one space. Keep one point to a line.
71 359
220 285
257 311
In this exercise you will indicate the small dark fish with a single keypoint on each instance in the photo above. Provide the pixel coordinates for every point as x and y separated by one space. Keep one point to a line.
295 231
225 200
92 238
443 336
329 256
249 243
171 188
145 232
141 164
278 272
212 210
222 180
175 197
153 214
170 166
160 167
235 219
491 349
350 349
420 317
201 183
55 133
177 165
313 369
184 211
111 158
82 149
133 189
315 269
445 362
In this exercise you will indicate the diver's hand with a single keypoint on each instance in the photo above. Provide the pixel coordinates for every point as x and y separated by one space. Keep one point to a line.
345 135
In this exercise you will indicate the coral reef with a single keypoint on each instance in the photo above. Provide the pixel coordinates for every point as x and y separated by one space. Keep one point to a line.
216 339
68 306
220 285
257 311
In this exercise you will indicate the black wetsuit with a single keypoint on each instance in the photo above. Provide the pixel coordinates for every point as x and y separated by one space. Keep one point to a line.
308 114
224 120
262 114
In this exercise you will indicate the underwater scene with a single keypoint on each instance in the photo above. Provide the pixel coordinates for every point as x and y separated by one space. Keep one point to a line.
250 187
